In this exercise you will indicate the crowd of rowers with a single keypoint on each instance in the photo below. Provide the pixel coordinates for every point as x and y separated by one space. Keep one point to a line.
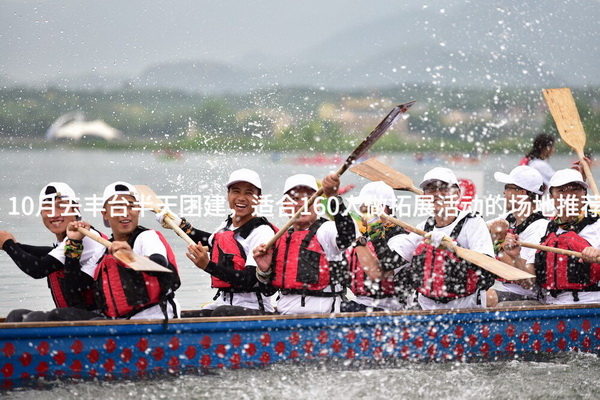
312 266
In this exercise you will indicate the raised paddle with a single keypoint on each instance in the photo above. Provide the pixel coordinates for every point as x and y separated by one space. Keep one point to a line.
483 261
375 170
128 257
564 111
151 201
362 148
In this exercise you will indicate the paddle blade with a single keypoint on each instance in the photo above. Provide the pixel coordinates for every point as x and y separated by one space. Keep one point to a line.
148 198
564 111
375 170
492 265
379 130
138 263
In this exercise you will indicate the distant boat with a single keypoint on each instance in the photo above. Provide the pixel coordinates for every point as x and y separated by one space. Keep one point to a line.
319 159
73 125
168 154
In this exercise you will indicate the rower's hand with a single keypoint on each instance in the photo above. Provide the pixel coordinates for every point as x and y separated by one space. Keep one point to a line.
590 255
498 229
167 213
577 166
436 238
331 184
511 246
116 246
263 257
4 236
198 254
72 231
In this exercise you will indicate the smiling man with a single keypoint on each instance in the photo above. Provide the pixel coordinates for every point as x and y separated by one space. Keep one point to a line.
58 208
120 291
231 265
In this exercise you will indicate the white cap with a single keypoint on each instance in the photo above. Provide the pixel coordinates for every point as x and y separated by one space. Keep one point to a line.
305 180
523 176
57 189
439 174
564 176
377 193
117 188
244 175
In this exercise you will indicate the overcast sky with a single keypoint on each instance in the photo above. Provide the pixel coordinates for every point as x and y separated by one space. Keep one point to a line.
116 36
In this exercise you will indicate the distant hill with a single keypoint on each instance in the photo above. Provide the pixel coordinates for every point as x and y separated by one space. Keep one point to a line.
474 43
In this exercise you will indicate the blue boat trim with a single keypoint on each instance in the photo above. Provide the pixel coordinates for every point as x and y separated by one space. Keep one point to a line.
129 349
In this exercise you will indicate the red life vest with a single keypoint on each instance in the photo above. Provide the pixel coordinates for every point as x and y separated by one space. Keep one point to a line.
517 230
440 275
227 252
121 292
558 272
361 284
300 265
57 288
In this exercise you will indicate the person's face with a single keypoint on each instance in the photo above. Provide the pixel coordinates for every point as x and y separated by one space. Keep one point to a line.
243 198
298 196
443 195
122 213
57 214
514 196
569 199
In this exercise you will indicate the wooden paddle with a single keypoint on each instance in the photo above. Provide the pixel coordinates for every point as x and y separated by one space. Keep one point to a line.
151 201
564 111
362 148
375 170
553 250
484 261
128 257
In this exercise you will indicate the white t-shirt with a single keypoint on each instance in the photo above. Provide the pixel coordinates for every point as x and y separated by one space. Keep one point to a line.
591 233
92 251
147 243
259 235
292 303
532 234
474 235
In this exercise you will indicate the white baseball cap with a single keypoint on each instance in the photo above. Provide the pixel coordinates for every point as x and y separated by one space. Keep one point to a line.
564 176
117 188
57 190
377 193
297 180
244 175
524 177
439 174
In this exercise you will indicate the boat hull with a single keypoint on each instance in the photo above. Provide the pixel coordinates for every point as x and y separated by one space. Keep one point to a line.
130 349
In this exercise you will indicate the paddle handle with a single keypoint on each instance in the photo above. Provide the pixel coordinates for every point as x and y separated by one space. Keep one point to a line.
178 230
294 218
97 238
450 245
588 174
553 250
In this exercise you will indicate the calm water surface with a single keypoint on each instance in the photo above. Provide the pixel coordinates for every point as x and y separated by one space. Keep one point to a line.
24 172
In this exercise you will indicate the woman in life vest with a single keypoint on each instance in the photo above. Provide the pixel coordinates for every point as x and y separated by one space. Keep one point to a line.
375 275
231 265
441 279
541 150
122 292
566 279
307 263
58 207
523 221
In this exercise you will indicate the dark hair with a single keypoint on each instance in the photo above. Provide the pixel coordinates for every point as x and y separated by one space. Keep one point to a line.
541 142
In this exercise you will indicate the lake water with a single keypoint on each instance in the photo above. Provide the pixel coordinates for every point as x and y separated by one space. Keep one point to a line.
24 172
